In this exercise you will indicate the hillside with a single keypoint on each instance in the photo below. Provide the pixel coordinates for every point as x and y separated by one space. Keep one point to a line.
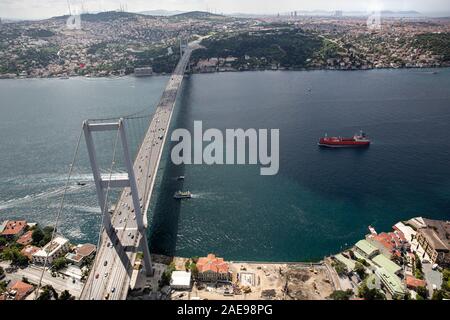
105 16
200 15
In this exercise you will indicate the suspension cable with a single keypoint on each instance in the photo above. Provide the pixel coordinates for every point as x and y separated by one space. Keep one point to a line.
61 206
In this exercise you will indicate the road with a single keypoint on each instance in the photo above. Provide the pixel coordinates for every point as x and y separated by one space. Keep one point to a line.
113 266
33 274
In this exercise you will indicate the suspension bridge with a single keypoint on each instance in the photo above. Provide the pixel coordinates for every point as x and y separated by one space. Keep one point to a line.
123 229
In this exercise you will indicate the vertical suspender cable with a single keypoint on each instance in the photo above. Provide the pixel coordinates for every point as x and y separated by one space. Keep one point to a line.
61 206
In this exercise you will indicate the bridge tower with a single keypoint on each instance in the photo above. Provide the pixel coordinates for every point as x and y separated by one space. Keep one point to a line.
102 184
184 44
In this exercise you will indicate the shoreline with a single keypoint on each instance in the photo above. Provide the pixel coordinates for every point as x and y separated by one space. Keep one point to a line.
3 77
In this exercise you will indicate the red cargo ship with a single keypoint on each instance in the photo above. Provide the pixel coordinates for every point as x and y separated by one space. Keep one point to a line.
358 140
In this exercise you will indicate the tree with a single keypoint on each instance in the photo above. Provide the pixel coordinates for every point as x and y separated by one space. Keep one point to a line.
13 254
59 263
351 254
65 295
418 273
3 241
37 236
341 295
440 295
2 272
370 294
360 270
444 292
194 270
42 236
397 259
422 292
165 277
340 268
48 293
2 286
187 265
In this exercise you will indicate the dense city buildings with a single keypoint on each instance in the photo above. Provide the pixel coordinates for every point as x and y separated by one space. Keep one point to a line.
48 48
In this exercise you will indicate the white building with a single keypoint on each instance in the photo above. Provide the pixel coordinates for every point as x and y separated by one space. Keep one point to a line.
54 249
181 280
81 253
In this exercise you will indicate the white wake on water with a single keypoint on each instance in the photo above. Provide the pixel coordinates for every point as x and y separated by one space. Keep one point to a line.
38 196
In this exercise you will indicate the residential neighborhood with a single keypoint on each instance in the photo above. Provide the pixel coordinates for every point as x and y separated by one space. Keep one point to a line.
410 262
26 248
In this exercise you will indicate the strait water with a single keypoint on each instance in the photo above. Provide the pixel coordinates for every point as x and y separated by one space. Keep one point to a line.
321 200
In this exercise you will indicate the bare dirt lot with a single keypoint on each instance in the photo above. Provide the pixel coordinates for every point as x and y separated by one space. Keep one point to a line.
260 281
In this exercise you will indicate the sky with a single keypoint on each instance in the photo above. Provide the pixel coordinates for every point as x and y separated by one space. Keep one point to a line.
37 9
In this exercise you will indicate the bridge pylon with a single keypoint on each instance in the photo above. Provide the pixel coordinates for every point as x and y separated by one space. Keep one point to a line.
102 184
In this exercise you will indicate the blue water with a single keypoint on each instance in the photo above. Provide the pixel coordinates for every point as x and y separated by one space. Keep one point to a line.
321 200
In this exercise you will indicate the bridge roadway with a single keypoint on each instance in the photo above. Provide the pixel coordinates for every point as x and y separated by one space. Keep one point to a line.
111 271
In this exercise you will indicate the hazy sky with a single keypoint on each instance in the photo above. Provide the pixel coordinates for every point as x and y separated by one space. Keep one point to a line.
34 9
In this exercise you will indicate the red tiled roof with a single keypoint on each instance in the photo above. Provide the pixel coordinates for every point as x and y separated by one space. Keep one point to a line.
14 227
412 282
25 238
29 250
86 249
22 289
391 240
212 263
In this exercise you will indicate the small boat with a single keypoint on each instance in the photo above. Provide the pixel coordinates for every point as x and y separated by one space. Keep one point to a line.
180 178
182 195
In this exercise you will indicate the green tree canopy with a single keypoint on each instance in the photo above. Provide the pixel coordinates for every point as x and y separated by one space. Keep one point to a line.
37 236
341 294
48 293
65 295
59 263
360 270
370 294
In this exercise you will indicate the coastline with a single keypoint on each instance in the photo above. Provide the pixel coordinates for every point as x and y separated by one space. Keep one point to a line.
3 77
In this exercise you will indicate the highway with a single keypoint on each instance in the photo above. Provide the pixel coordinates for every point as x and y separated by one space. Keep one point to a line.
111 272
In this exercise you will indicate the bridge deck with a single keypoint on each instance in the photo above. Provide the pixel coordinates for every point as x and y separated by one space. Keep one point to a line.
113 265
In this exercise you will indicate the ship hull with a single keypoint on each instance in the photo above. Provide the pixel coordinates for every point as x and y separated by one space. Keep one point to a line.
326 145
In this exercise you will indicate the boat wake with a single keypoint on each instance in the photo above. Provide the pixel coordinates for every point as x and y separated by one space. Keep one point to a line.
38 196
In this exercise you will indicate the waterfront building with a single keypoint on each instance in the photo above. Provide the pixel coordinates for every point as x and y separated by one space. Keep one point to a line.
13 228
365 249
391 283
180 280
54 249
26 238
212 268
434 238
143 72
81 253
382 262
390 242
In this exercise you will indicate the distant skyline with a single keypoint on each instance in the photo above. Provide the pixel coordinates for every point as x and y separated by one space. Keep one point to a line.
38 9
